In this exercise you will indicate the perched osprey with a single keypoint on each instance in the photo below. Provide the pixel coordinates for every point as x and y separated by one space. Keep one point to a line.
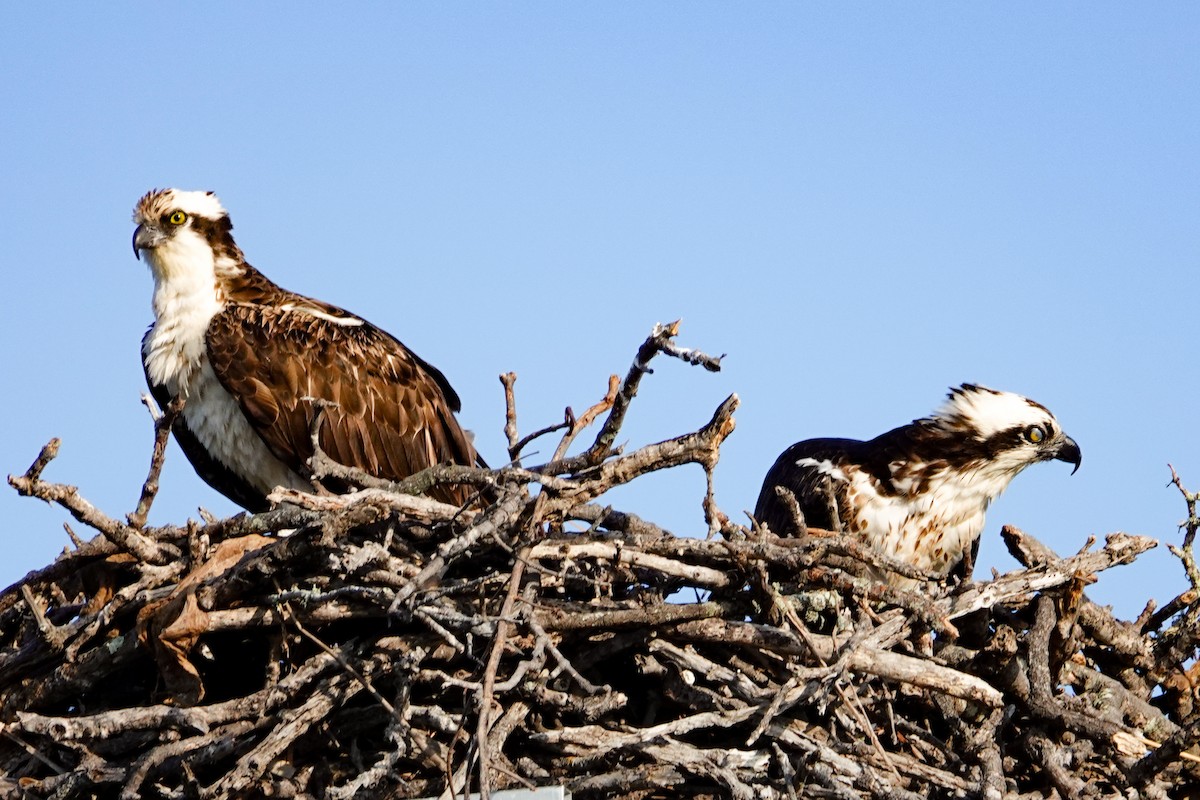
250 358
918 493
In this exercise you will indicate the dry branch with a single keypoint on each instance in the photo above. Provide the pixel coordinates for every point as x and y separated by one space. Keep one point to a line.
393 646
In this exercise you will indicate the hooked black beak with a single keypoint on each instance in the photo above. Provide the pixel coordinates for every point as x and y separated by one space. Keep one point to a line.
1069 451
145 237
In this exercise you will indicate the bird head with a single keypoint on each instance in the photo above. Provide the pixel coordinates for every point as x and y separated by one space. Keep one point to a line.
1007 430
183 234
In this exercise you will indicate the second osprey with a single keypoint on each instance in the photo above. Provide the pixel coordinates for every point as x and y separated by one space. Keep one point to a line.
918 493
256 362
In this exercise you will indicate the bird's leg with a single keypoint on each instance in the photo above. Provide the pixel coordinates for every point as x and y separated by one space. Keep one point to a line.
966 566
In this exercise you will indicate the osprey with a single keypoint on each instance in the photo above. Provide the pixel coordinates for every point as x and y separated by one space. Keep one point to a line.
918 493
255 364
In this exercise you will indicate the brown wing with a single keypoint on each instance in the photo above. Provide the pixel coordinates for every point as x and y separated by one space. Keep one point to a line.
392 415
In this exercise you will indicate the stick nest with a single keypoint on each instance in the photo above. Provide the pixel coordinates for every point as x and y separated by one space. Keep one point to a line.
381 644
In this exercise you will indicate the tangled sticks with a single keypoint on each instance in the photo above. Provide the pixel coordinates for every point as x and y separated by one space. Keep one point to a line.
393 646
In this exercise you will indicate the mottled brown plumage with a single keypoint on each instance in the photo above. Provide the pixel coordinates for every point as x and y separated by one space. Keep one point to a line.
280 357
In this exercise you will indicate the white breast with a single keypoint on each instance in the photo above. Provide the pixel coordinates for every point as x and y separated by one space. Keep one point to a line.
175 355
218 422
931 530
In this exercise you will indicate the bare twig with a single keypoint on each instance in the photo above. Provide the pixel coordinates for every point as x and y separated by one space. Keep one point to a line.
162 431
508 380
1190 525
484 701
576 425
123 536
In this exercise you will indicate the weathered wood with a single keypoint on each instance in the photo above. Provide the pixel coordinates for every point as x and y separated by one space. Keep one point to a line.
379 644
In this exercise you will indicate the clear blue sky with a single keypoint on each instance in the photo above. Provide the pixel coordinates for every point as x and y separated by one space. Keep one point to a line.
860 203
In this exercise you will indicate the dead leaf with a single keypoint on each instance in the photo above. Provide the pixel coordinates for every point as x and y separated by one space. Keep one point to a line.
171 626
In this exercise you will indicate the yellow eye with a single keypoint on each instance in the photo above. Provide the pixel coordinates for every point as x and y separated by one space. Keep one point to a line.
178 218
1035 434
